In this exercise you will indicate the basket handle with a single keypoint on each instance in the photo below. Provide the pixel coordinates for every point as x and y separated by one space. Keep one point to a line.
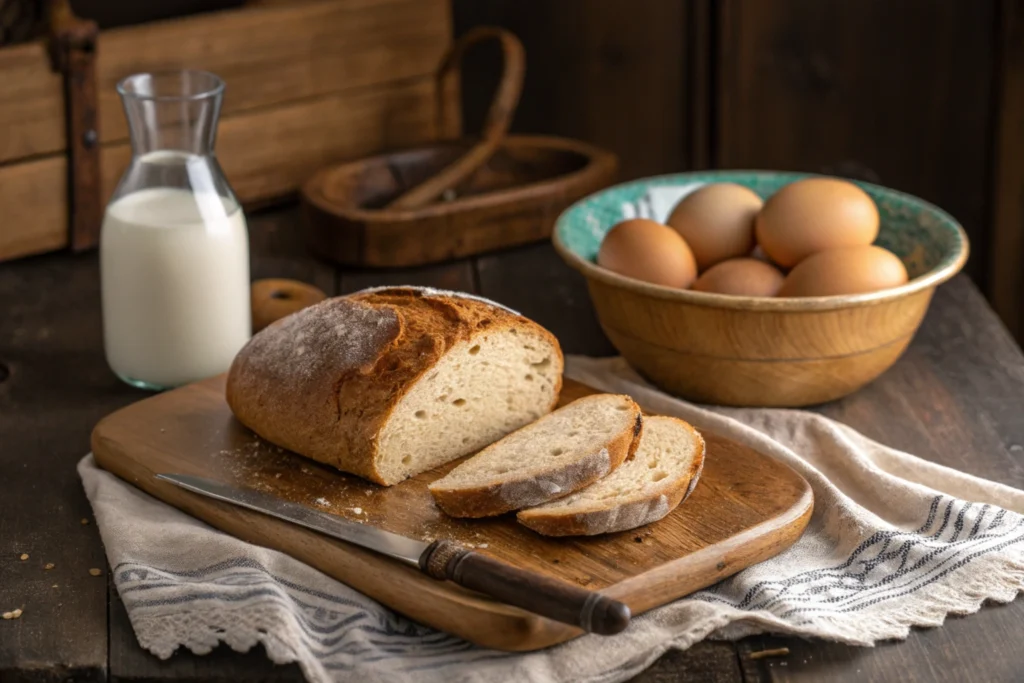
499 116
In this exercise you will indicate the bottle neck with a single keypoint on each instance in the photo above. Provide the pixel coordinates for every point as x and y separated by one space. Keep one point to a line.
172 124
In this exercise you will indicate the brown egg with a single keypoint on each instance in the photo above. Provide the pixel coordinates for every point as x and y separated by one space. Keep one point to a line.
847 270
740 277
813 215
717 221
648 251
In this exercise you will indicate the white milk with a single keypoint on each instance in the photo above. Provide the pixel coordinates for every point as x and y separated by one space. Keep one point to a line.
175 273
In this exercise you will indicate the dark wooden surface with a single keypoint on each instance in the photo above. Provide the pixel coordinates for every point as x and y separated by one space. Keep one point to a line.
624 75
1006 279
893 92
957 398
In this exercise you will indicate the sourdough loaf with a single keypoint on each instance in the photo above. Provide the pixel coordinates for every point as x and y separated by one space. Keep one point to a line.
663 473
562 452
390 382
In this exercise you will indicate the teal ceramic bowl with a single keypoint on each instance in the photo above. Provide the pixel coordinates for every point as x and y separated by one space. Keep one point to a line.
752 351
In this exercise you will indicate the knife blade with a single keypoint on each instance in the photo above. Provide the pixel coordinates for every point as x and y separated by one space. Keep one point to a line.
442 559
404 549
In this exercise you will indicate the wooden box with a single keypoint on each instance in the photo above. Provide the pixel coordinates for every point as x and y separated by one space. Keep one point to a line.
309 83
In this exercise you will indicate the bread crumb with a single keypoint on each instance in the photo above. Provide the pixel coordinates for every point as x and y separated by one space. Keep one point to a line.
13 614
85 521
482 545
54 586
95 572
49 565
23 557
358 511
322 502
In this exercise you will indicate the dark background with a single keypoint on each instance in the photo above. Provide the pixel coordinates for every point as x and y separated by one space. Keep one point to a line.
926 96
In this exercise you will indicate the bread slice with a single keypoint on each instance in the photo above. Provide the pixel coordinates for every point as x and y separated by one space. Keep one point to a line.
645 489
560 453
388 383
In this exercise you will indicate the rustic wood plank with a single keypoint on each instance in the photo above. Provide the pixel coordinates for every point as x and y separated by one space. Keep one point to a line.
455 275
979 648
345 44
307 135
58 387
956 396
705 662
610 72
34 206
865 89
534 281
1006 283
31 104
701 32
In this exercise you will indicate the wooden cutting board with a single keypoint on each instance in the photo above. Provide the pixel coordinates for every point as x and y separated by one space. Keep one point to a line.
746 508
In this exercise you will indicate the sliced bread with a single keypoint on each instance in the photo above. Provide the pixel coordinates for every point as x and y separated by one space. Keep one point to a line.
560 453
645 489
387 383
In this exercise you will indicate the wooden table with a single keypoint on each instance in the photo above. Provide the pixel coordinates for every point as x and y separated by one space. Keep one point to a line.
957 397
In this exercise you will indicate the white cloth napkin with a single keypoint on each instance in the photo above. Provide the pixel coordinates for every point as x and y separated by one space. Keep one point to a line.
657 203
894 542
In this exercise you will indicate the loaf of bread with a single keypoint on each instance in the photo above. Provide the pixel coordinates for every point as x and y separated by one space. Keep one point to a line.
663 473
390 382
562 452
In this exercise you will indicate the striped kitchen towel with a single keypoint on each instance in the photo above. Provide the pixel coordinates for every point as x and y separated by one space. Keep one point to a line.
894 542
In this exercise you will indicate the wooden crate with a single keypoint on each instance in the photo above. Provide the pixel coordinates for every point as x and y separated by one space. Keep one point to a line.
309 83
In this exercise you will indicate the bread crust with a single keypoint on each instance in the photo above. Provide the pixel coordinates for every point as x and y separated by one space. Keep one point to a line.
646 510
497 499
324 381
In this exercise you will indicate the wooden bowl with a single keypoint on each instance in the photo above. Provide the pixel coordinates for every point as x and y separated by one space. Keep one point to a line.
513 199
748 351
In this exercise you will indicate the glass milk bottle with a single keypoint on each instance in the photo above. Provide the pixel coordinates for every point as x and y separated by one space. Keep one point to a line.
174 250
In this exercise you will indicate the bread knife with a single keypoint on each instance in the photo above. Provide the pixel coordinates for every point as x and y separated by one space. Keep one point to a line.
442 560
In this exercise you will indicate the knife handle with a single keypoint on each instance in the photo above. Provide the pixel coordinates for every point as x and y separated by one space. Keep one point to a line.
551 598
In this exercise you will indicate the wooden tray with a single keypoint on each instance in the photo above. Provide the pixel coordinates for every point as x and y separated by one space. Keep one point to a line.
746 508
513 199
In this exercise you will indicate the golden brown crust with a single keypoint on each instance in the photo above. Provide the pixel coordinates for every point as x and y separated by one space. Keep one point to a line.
324 381
497 499
622 517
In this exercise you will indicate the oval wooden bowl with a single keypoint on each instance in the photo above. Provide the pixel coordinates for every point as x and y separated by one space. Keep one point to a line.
510 200
747 351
